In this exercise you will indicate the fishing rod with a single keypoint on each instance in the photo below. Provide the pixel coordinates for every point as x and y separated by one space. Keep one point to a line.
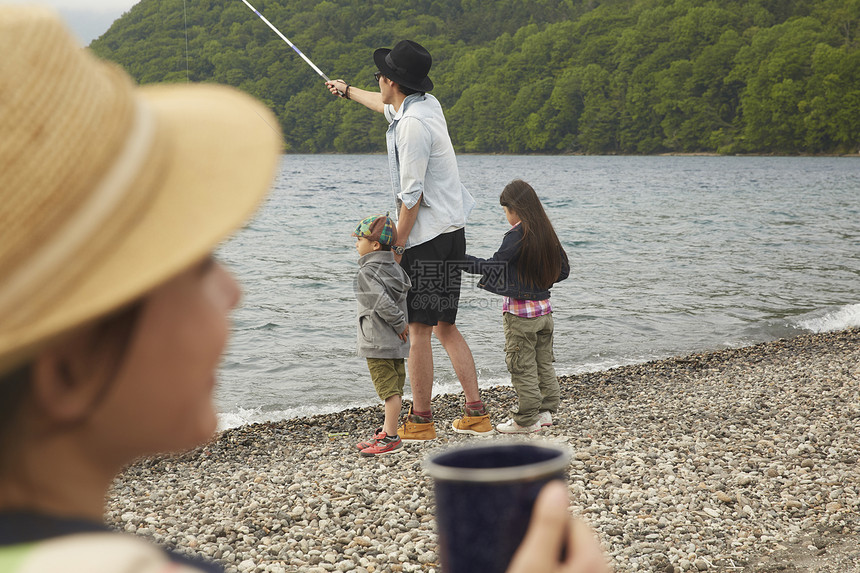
284 38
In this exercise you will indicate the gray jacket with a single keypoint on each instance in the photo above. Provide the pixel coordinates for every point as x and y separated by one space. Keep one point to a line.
380 288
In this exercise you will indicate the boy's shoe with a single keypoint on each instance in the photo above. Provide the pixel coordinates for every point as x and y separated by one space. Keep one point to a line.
545 419
474 425
385 444
511 427
377 435
416 428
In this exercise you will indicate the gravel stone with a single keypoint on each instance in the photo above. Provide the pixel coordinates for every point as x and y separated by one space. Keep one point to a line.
742 460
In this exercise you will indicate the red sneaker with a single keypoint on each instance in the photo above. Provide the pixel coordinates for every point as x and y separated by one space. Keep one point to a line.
385 444
378 434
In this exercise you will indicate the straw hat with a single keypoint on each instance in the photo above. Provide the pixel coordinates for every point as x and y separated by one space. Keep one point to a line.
109 189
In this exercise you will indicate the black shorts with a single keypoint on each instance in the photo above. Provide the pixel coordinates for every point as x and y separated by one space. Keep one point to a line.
434 268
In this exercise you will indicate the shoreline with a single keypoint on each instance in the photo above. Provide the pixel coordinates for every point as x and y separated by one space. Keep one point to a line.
735 460
572 154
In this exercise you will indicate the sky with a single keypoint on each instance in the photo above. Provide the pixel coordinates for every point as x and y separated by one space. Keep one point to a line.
88 19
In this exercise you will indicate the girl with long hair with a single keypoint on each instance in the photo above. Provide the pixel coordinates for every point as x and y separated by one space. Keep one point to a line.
529 261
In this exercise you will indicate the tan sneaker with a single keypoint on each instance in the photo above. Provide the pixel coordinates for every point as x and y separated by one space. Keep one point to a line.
545 419
511 427
475 425
416 431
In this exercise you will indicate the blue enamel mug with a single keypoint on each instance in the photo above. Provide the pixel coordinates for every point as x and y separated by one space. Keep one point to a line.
484 498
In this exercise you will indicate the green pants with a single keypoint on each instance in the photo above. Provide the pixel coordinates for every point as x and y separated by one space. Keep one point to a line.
388 375
528 354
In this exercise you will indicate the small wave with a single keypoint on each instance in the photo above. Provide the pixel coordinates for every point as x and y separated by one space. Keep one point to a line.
454 387
602 365
839 319
264 327
227 420
245 416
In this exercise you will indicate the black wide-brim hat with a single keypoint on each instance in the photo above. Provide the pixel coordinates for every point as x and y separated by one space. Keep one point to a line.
407 64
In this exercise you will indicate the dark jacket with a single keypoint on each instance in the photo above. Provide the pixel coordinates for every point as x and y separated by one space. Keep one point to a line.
499 272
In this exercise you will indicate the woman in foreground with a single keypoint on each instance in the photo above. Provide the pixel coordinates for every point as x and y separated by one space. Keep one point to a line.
113 313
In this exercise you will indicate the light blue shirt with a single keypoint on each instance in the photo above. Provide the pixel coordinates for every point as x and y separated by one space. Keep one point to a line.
423 166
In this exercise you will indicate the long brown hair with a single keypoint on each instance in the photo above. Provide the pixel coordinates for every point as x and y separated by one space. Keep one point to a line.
540 259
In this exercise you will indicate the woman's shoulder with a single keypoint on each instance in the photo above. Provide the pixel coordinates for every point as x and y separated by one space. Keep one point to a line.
103 552
47 543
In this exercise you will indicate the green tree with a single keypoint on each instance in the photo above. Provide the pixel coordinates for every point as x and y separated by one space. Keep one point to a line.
530 76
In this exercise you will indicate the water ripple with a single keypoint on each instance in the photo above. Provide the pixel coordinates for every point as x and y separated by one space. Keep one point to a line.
669 255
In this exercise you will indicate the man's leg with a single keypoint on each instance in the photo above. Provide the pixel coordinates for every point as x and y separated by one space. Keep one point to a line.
461 358
475 420
418 427
421 365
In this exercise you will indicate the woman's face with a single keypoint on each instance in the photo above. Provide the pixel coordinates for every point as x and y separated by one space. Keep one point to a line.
161 399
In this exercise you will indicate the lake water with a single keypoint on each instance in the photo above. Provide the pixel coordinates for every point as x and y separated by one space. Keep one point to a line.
669 256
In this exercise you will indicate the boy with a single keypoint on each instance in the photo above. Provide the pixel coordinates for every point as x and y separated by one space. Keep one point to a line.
380 289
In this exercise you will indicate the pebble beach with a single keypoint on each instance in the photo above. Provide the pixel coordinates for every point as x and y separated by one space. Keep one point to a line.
742 460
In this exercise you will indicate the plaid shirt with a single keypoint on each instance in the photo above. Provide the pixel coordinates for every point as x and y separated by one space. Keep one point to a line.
526 308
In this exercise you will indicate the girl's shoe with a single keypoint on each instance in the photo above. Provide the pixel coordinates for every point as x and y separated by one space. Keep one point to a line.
545 419
511 427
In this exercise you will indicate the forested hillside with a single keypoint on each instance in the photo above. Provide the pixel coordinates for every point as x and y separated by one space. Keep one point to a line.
531 76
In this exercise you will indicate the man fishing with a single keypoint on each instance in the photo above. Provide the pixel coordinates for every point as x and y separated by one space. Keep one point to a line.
432 206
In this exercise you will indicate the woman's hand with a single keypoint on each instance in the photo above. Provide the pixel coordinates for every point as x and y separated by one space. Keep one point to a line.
551 526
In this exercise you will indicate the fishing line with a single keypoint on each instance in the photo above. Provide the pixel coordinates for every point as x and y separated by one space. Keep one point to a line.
185 15
284 38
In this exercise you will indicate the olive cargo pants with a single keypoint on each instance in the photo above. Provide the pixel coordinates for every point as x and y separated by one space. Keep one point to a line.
529 357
